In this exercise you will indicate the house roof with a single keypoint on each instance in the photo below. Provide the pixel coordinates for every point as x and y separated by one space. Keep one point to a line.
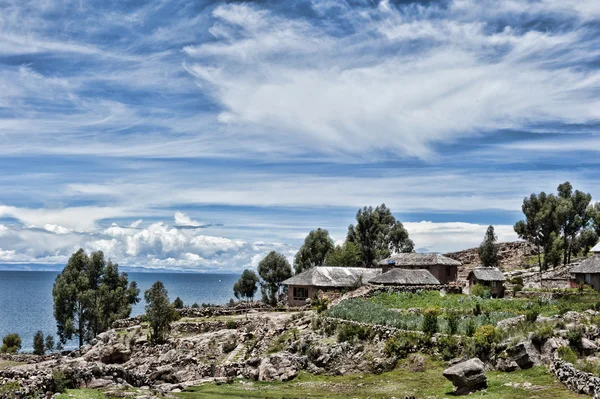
419 259
332 276
487 274
596 249
590 265
398 276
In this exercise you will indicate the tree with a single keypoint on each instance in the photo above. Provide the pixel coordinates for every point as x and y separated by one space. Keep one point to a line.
585 241
344 255
38 343
178 303
273 269
49 343
89 294
246 286
573 213
378 234
159 312
539 223
11 343
314 250
488 250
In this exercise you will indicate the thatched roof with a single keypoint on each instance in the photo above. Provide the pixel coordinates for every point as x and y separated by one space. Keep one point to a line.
399 276
333 276
590 265
418 259
596 249
487 274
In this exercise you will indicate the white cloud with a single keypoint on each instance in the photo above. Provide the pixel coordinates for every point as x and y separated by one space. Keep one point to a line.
56 229
181 219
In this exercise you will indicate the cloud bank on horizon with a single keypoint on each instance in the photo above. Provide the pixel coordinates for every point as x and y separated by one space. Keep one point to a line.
130 127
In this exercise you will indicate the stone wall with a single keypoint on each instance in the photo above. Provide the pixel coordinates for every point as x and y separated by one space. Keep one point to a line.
576 380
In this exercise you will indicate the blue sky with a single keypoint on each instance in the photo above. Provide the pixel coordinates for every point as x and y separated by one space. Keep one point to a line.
121 119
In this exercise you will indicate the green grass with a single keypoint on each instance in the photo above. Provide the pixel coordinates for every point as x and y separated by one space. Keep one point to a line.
82 394
466 303
400 382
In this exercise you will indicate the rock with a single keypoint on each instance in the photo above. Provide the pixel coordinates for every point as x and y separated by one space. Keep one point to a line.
506 365
467 376
416 363
100 383
550 346
588 346
524 355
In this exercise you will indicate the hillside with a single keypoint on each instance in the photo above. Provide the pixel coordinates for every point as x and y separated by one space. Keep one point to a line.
513 255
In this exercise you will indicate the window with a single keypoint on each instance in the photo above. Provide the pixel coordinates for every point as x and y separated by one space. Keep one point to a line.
300 293
588 278
494 284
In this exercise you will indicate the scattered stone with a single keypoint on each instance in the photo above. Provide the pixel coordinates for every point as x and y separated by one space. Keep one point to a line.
467 376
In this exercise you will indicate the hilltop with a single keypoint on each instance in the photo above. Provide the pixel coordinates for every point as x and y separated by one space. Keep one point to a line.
513 255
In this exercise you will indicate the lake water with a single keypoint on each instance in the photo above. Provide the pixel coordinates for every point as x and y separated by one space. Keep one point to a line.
26 297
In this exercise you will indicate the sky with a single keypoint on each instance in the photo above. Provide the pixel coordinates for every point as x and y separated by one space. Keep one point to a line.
201 135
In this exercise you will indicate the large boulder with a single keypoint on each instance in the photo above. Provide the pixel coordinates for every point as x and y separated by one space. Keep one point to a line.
524 355
467 376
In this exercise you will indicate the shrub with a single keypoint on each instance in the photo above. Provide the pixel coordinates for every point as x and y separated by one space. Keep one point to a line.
477 310
401 344
485 336
575 337
195 306
481 291
38 343
11 343
532 314
352 332
518 280
430 321
61 381
517 288
231 324
542 334
453 319
567 354
449 347
319 305
470 328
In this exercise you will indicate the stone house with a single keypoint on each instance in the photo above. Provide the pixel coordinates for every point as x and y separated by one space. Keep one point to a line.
490 277
405 277
588 271
443 268
333 279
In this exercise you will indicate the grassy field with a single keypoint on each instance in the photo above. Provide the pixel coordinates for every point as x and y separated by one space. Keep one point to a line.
400 382
4 364
81 394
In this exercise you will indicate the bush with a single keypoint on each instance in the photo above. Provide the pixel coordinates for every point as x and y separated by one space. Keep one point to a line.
517 288
449 347
195 306
470 328
477 310
38 343
567 354
61 381
575 337
532 314
11 343
430 321
518 280
453 319
481 291
352 332
542 334
485 336
231 324
400 345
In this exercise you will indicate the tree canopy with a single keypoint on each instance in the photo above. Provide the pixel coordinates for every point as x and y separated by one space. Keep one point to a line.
314 250
488 250
377 234
89 294
344 255
246 286
273 269
559 225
